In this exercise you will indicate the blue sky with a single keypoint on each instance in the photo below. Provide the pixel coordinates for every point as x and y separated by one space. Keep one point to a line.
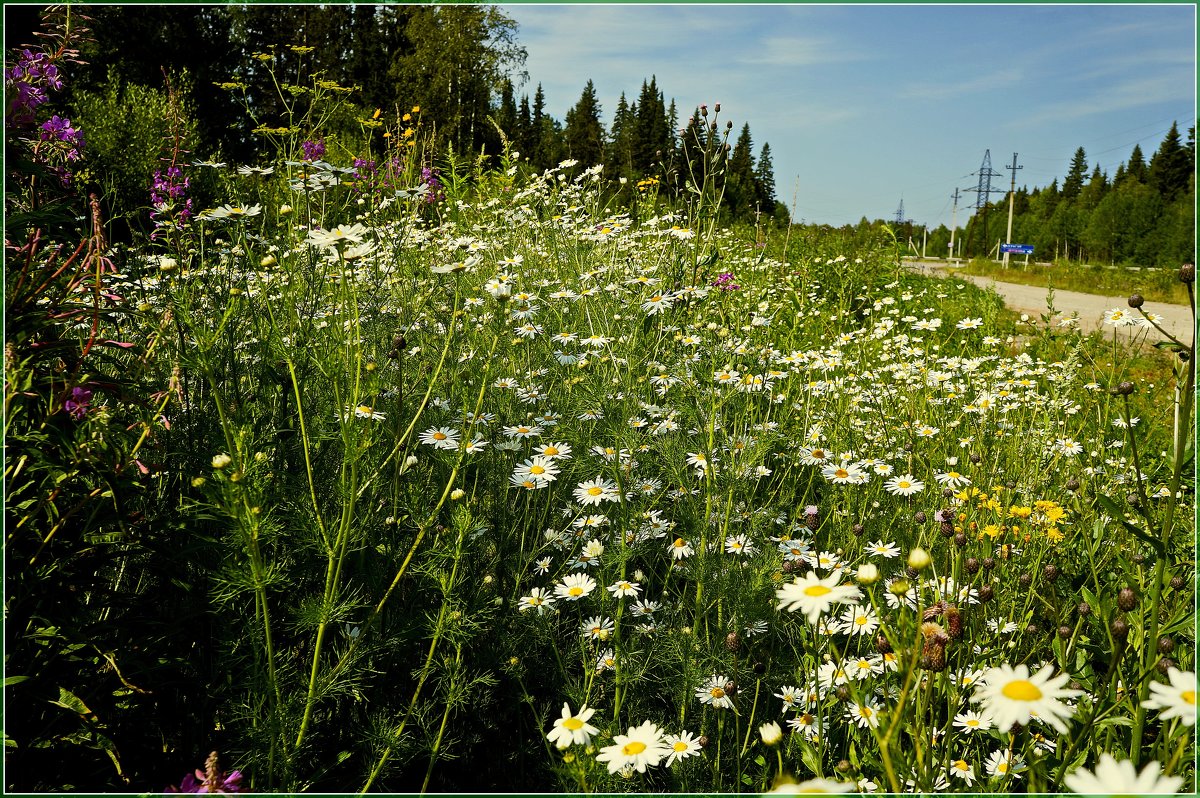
868 105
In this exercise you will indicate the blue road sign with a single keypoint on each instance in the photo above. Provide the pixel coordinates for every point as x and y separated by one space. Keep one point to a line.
1017 249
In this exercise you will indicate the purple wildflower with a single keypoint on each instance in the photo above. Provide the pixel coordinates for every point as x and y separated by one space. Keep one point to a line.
59 129
170 207
433 186
313 149
78 403
27 83
725 282
211 780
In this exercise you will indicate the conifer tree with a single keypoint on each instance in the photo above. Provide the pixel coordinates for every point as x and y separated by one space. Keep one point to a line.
1170 167
764 180
584 133
1078 170
619 158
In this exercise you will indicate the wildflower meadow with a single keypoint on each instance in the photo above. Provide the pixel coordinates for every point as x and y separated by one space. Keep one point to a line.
401 469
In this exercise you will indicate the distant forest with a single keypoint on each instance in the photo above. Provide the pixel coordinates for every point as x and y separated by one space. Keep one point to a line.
463 66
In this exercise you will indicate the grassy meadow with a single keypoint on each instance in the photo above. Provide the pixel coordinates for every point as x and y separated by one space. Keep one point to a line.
396 470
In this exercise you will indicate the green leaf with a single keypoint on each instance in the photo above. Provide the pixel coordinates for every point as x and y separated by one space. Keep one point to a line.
69 700
11 680
1110 507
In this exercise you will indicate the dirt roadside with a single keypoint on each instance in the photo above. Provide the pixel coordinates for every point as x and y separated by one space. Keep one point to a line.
1177 319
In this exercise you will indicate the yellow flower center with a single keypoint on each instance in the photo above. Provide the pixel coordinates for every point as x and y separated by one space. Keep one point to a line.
439 436
537 469
1189 696
865 712
861 620
575 591
972 722
574 724
841 473
1021 690
680 746
594 491
817 590
717 692
550 451
962 765
1002 767
679 543
634 748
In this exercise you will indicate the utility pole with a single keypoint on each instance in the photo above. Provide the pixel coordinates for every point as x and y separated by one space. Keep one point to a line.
953 222
1012 194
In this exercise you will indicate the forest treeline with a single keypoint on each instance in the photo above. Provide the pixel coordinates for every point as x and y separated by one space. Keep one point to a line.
462 66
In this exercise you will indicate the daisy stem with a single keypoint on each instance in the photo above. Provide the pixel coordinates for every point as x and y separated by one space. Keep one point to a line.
1184 739
750 720
1178 443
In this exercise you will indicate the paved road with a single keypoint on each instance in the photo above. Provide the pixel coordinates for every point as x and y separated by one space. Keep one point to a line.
1090 307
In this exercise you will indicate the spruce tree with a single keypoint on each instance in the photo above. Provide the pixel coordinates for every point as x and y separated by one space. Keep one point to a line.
741 195
584 134
1136 167
1170 167
1078 170
764 180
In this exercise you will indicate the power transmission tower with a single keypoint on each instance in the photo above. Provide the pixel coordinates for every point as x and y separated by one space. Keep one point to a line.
1012 193
900 215
983 193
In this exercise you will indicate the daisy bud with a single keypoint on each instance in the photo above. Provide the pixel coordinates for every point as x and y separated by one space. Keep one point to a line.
285 210
868 573
267 261
899 587
771 733
221 461
918 559
198 482
457 494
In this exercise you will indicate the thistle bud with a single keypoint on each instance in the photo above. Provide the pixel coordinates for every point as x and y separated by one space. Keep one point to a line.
986 593
1187 273
1064 632
971 565
1136 300
733 641
1126 599
1120 629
